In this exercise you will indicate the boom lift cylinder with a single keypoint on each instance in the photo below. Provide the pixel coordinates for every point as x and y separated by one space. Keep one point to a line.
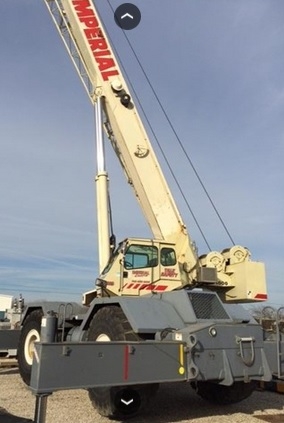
101 191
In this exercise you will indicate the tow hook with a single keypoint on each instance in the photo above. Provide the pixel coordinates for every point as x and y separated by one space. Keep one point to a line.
241 341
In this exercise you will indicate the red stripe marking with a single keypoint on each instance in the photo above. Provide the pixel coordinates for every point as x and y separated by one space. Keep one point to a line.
160 288
126 363
261 296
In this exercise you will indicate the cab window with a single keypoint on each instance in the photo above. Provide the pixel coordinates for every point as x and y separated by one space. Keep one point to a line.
140 256
168 257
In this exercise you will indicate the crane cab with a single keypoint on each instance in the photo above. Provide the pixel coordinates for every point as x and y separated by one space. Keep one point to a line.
140 266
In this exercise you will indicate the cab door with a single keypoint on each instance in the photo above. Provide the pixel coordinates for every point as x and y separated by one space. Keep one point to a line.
141 269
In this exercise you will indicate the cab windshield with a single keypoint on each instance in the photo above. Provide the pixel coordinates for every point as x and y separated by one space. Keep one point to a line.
140 256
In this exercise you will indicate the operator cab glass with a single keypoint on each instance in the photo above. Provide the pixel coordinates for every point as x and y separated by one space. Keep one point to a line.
140 256
168 257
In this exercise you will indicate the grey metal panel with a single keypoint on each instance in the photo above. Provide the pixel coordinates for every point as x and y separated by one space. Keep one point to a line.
147 314
180 302
239 313
60 366
270 348
9 339
196 304
156 312
220 357
73 309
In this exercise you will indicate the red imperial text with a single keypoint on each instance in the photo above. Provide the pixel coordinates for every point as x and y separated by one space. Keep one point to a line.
96 39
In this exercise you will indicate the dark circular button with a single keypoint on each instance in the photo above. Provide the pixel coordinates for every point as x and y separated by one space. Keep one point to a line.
128 401
127 16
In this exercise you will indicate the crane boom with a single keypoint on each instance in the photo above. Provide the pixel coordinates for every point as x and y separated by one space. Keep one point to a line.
169 257
126 130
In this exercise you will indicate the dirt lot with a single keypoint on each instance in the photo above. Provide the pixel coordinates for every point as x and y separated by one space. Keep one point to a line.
174 403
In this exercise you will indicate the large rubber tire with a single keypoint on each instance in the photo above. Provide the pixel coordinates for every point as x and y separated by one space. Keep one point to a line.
30 333
224 395
111 324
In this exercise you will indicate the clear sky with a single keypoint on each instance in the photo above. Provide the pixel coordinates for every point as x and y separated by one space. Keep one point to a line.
217 67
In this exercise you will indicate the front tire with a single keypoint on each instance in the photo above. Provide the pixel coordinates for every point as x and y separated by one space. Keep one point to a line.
111 324
30 333
224 395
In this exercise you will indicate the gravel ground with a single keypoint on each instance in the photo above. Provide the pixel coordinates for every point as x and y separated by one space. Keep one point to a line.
174 403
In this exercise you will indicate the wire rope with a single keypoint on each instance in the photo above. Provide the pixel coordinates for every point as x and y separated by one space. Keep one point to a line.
177 138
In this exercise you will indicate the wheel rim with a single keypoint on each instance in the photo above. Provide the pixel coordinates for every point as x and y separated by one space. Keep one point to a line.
32 337
103 337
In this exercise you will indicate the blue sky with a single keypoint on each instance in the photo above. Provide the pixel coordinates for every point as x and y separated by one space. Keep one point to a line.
218 69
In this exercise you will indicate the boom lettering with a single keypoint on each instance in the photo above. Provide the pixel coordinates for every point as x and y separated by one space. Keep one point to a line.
96 39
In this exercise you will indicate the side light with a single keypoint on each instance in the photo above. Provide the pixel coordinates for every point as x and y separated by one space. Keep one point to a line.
212 331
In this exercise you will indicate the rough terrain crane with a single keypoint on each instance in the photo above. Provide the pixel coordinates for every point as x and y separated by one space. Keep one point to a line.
151 289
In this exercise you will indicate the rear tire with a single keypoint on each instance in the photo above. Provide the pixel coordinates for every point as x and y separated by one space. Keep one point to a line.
30 334
111 324
224 395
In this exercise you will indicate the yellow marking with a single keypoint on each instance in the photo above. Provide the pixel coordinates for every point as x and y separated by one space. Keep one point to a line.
181 355
181 370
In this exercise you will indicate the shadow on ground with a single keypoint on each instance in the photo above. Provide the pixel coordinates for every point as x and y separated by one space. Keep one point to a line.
9 371
178 402
6 417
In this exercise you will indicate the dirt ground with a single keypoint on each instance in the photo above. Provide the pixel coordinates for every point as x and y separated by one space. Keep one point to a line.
174 403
